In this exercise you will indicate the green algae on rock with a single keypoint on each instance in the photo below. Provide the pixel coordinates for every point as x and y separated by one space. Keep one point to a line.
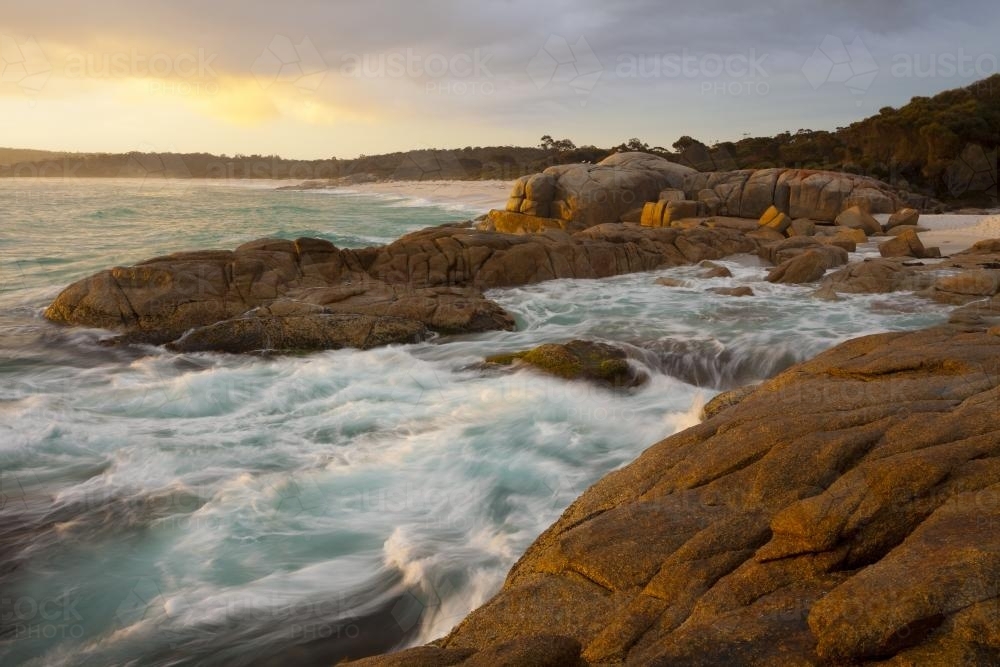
578 360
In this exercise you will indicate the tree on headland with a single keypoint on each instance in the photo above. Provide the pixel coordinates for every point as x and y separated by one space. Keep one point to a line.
561 145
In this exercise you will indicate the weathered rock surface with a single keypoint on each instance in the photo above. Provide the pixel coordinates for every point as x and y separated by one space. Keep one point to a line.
510 222
844 512
299 333
782 251
857 218
877 276
978 267
726 400
799 193
903 217
906 244
434 277
966 286
592 194
601 193
808 266
599 363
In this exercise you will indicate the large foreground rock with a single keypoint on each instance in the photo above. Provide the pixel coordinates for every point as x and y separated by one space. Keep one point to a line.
433 278
844 512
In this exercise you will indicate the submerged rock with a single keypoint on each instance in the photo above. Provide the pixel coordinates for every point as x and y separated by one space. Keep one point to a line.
578 360
742 290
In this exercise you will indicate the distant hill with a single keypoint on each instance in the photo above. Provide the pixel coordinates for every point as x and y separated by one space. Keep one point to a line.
944 146
9 156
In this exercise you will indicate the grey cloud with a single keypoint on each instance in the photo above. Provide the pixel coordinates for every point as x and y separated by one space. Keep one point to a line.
511 33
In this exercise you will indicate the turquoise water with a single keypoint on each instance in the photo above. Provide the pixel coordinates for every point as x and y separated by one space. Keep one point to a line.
163 508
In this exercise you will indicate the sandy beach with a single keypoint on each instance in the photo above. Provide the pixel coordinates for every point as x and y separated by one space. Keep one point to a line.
475 196
954 233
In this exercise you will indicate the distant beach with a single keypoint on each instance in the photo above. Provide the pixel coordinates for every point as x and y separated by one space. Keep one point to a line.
478 196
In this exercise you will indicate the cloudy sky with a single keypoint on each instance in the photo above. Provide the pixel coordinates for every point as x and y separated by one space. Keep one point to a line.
309 79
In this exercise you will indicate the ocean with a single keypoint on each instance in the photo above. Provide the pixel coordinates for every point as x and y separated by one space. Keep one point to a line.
173 509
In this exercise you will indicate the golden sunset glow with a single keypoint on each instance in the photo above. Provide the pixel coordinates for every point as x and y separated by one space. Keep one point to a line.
340 80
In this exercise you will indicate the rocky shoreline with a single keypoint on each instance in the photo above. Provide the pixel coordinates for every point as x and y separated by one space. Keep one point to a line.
844 511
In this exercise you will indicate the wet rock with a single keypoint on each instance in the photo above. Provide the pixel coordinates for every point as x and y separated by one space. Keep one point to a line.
808 266
966 286
299 333
714 270
435 276
826 293
877 276
672 282
726 400
839 507
599 363
778 253
742 290
537 651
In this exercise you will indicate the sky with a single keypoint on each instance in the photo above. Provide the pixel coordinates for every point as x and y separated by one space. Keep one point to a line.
313 79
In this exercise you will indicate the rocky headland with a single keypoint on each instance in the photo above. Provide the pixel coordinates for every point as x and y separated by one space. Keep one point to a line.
845 511
632 212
